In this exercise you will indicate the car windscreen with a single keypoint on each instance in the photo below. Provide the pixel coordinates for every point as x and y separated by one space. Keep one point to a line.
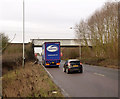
75 62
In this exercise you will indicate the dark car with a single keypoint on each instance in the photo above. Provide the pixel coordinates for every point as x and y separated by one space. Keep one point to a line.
72 65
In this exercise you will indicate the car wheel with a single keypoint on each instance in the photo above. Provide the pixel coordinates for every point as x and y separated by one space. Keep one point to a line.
64 70
67 71
80 71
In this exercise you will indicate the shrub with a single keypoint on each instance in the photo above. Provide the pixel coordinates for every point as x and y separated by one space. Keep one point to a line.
29 53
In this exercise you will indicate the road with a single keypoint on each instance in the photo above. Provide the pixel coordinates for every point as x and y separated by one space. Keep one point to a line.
93 82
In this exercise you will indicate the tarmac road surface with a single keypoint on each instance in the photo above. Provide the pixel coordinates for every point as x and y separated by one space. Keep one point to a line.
93 82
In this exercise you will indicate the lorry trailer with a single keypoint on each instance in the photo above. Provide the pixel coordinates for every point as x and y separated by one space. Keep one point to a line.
51 54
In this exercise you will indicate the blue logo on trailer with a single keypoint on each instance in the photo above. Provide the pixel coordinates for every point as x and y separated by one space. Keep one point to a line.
52 51
52 48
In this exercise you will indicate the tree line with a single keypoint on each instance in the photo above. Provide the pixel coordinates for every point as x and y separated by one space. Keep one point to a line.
101 29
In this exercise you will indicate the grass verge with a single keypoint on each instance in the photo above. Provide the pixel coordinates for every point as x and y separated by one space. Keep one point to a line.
31 81
101 62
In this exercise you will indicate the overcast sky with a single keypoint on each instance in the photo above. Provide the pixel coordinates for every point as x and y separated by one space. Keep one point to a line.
44 18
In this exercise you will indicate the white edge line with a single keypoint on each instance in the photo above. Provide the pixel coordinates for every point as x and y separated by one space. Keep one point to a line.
47 72
64 92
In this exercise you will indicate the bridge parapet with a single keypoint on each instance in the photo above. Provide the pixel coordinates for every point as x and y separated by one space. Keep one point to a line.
63 42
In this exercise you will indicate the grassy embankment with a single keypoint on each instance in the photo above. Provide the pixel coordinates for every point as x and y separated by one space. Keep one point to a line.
101 62
31 81
88 57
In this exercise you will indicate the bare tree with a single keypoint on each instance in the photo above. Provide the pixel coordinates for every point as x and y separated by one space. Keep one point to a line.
102 30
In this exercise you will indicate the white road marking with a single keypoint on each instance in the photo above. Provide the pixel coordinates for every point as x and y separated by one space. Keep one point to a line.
99 74
48 72
65 93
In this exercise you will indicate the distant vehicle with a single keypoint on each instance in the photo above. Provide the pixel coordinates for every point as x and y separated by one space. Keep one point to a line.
72 65
51 54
